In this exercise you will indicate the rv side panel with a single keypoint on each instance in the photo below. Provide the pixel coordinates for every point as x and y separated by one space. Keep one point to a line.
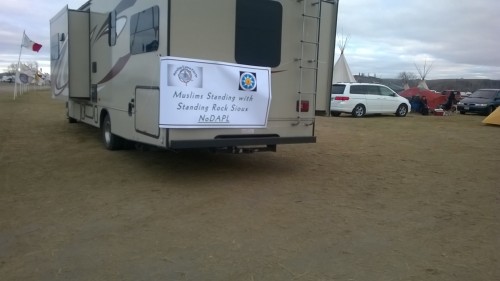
326 55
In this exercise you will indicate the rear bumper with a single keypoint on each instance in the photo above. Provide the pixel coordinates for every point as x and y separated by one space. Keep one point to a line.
239 142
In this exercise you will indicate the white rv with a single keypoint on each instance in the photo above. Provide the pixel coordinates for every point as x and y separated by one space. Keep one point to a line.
107 63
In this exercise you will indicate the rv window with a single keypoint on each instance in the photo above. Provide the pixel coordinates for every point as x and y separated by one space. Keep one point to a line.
112 28
144 31
258 32
54 46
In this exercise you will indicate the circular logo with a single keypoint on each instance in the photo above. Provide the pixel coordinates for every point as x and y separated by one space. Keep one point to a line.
185 76
248 81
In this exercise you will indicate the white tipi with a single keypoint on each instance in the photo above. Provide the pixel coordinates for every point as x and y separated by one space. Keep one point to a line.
341 70
423 73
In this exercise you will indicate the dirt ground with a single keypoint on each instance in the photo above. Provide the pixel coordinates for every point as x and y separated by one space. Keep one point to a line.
377 198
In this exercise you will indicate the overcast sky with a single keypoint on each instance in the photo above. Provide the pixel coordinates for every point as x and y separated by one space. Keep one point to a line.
459 38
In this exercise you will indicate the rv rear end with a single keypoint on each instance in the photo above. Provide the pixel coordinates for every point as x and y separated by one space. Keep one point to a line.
129 41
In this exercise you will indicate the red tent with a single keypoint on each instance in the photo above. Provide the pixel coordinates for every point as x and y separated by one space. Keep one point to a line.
433 99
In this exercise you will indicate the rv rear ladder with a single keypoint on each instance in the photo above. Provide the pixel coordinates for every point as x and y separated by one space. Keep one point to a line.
310 65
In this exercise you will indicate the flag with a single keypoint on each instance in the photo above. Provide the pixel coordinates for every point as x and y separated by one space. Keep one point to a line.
23 78
25 75
27 43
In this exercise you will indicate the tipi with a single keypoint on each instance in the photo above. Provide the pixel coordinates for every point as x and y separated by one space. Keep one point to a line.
493 118
341 70
423 73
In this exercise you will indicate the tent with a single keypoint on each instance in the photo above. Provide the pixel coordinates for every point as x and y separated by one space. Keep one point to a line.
423 74
434 100
341 70
493 118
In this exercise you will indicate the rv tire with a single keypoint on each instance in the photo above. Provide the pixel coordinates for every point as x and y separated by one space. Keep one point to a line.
110 140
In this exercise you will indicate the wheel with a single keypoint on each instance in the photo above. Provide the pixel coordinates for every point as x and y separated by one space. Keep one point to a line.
111 141
358 111
335 113
402 110
489 110
462 112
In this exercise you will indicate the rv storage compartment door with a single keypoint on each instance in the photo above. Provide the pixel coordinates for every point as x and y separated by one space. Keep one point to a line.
147 102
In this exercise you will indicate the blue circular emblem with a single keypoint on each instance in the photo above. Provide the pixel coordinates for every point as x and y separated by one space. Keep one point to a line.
248 81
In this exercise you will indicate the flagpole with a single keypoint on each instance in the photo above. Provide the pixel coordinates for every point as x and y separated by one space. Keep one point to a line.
18 65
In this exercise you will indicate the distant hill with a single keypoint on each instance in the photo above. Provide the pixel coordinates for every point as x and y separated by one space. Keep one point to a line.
462 85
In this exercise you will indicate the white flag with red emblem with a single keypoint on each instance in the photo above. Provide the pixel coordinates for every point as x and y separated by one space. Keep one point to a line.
27 43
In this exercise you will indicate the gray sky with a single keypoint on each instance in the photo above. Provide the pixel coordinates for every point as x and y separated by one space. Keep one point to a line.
386 37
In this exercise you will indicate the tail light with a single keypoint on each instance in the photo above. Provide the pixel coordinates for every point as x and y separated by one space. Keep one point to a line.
341 98
302 106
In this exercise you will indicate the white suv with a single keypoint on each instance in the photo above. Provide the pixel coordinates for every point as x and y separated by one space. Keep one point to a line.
359 99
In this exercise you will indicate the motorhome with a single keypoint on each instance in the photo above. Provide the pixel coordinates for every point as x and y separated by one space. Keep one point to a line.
160 72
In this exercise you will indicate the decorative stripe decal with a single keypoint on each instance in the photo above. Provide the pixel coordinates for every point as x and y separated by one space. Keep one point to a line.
120 64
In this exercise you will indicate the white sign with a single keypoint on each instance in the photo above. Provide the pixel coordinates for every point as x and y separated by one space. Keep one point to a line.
210 94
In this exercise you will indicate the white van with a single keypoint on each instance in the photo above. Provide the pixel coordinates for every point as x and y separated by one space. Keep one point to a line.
359 99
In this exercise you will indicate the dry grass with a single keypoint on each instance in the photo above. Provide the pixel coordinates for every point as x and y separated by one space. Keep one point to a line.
377 198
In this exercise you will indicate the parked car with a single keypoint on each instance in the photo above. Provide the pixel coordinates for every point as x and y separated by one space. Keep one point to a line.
359 99
8 79
465 94
458 94
483 101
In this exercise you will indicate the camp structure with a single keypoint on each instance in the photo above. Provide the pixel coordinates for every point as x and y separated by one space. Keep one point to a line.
493 118
423 72
224 75
434 100
341 70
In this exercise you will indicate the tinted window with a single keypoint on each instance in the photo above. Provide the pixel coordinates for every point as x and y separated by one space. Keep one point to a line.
338 89
386 91
54 46
485 94
258 32
358 89
112 28
144 31
372 90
